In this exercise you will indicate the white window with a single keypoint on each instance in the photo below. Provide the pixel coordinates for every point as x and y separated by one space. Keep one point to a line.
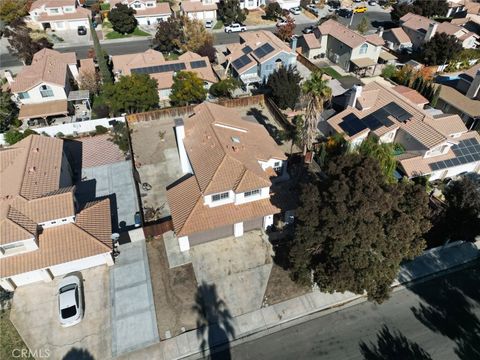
252 193
23 95
221 196
277 165
12 248
54 11
46 91
137 6
363 49
149 5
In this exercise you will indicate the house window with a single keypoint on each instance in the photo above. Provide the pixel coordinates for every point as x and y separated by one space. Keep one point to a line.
363 49
23 95
54 11
46 91
12 248
221 196
251 193
277 165
137 5
149 5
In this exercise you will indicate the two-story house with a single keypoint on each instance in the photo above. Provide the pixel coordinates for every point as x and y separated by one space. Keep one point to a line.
229 164
421 30
44 232
153 63
258 54
58 15
439 146
148 12
252 4
41 89
200 9
343 46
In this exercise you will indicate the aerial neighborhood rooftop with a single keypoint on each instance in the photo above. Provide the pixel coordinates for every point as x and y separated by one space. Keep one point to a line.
198 178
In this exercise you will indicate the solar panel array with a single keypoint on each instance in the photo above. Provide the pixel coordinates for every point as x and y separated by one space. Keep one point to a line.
466 151
397 112
263 50
377 119
352 125
247 49
159 69
198 64
241 61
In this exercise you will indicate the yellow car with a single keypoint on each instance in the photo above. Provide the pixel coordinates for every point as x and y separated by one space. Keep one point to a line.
360 9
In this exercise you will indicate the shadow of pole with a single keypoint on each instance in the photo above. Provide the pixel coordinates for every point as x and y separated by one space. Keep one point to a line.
78 354
214 322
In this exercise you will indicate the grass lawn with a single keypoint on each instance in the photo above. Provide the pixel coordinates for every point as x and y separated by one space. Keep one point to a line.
218 25
331 72
105 6
170 56
116 35
10 340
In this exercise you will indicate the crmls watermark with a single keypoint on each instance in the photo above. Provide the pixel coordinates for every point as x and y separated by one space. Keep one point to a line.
27 353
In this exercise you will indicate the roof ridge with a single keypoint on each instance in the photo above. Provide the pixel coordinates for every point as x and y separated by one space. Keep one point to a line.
16 223
92 236
190 213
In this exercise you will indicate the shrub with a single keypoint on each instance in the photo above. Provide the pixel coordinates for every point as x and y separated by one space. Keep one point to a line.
59 134
99 129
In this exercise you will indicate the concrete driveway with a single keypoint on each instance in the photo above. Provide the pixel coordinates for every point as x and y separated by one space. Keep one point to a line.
35 315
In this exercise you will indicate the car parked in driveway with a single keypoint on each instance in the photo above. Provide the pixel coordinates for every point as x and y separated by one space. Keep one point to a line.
360 9
235 27
82 30
209 24
345 13
70 301
308 29
312 8
282 22
296 11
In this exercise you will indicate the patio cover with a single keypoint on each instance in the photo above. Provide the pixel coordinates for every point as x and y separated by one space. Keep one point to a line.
386 56
363 62
78 95
42 110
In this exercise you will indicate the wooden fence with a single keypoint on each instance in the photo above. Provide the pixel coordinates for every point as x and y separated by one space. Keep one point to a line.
160 114
279 116
244 101
159 228
307 63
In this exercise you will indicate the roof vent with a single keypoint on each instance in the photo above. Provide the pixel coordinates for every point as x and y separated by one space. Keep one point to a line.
32 169
36 150
235 139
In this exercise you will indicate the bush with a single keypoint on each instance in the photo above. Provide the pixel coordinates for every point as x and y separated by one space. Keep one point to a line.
224 88
59 134
99 130
13 136
389 71
17 123
123 19
273 11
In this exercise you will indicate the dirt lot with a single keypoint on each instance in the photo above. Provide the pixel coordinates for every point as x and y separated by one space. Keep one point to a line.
254 18
173 291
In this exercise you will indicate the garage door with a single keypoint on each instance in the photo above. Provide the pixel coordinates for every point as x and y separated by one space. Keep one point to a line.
209 14
76 23
77 265
27 278
253 224
203 237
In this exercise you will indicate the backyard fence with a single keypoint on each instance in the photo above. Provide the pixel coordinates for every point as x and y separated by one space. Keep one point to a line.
305 62
160 114
244 101
155 229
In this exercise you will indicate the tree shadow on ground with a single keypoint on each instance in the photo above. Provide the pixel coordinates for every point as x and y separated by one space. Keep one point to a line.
214 322
392 345
78 354
274 132
448 308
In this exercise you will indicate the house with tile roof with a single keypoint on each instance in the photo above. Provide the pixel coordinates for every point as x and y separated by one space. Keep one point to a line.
397 39
41 89
153 63
44 231
229 164
258 54
421 30
58 15
343 46
438 146
148 12
200 9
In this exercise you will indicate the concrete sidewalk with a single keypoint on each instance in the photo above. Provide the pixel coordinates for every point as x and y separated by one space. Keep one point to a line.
273 318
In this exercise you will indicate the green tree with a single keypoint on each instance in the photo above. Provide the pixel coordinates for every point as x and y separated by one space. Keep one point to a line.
383 153
11 10
427 8
399 10
389 71
131 94
441 49
194 35
363 25
101 56
435 96
229 12
169 34
273 11
122 18
8 111
120 136
284 84
316 92
13 136
294 132
187 89
354 229
224 88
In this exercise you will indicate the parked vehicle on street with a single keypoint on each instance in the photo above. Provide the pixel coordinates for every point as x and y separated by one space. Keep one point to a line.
209 24
372 3
360 9
345 13
333 5
283 22
82 30
296 11
308 29
235 27
70 301
312 8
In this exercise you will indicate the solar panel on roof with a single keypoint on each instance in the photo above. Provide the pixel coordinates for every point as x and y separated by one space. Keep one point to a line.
198 64
241 61
159 69
247 49
466 151
397 112
352 125
263 50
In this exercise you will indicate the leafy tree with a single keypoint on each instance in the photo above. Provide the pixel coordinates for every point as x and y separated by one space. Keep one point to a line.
462 215
13 136
286 31
284 84
208 50
8 110
363 26
11 10
435 96
383 153
168 35
389 71
273 11
400 9
224 88
120 136
293 133
90 80
194 35
316 92
101 56
441 49
123 19
187 89
132 93
427 8
21 44
354 229
229 12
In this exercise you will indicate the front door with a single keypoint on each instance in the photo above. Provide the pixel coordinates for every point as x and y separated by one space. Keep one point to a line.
238 229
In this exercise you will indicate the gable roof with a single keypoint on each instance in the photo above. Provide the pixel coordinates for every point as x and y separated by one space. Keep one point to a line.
341 33
51 3
416 22
400 35
411 94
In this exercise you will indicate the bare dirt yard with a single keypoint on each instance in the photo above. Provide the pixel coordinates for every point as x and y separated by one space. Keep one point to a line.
173 291
255 18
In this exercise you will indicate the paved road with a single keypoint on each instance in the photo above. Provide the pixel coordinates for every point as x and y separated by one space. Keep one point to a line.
439 319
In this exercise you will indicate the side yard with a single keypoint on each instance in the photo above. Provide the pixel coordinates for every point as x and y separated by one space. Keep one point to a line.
11 343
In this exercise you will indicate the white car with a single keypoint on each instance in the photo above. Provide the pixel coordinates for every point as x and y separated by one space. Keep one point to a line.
283 22
313 9
295 11
235 28
209 24
70 303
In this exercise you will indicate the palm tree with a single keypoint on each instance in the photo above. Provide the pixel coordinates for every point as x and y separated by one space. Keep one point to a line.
294 132
316 92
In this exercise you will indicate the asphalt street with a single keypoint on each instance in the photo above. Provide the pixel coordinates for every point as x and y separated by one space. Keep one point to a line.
376 18
439 320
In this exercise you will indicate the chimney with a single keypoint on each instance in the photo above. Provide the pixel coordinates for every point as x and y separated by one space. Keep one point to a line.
380 31
355 94
9 76
473 90
432 29
294 43
180 134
